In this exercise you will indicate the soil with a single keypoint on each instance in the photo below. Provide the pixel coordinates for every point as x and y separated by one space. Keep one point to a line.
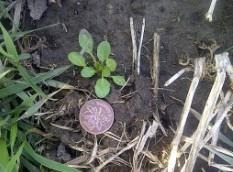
180 23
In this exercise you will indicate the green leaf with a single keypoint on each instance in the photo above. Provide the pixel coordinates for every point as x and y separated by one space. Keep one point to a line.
28 165
4 153
103 50
28 79
106 72
12 163
3 74
76 59
86 41
34 108
13 135
3 52
11 49
119 80
21 85
47 162
14 59
98 66
88 72
4 122
111 63
102 88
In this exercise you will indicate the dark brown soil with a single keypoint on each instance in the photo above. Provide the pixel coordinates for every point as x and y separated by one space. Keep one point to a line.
180 24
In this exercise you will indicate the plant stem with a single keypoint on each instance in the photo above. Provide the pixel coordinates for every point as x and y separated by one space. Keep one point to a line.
208 110
198 70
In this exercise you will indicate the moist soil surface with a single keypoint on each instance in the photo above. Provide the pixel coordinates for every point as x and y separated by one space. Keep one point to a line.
181 26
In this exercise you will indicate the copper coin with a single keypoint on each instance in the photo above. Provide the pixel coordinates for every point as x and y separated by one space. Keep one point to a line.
96 116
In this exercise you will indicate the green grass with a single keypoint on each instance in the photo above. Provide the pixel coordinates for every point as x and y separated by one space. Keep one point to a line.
21 97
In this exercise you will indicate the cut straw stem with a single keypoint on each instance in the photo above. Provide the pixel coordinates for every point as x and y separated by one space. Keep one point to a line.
209 14
155 67
198 70
134 44
140 47
176 76
208 110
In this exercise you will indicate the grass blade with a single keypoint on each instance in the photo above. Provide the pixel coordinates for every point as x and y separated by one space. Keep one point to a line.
23 72
34 108
11 164
4 121
47 162
9 44
5 73
20 86
14 59
13 135
4 153
28 165
27 102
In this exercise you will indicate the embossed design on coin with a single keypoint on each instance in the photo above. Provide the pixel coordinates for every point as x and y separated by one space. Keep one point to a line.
96 116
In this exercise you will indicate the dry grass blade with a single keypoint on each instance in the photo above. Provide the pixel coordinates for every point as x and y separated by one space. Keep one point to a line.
129 146
223 167
197 115
176 76
151 132
221 150
114 137
198 71
228 121
62 127
134 43
221 115
94 151
140 47
136 152
155 67
152 158
209 14
208 110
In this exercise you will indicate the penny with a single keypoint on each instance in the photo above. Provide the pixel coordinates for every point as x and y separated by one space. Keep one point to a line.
96 116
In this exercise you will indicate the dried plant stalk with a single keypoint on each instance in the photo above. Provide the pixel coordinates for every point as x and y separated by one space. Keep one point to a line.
129 146
199 68
155 67
209 14
208 110
140 47
134 43
214 131
151 132
176 76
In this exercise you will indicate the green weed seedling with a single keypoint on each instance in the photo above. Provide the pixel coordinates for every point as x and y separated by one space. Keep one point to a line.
103 65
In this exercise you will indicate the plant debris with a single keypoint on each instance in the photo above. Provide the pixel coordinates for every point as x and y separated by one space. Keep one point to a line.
37 8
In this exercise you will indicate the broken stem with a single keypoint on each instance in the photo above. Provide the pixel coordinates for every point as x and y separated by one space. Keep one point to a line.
208 110
129 146
209 14
134 44
155 67
140 47
176 76
199 66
